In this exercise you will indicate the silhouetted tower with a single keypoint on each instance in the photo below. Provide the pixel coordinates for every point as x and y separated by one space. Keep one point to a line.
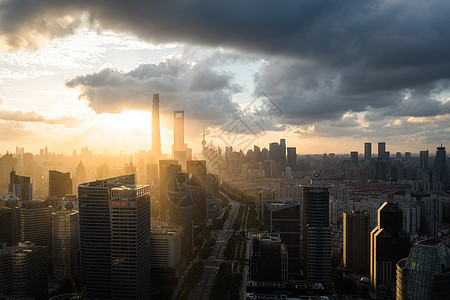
20 186
388 244
367 151
316 231
178 130
381 149
156 133
424 160
440 169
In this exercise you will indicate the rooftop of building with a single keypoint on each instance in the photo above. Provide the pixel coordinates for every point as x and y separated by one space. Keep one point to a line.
299 285
118 181
9 198
164 231
130 187
279 205
269 238
430 243
260 296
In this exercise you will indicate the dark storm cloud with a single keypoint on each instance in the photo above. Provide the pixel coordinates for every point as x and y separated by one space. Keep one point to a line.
374 34
323 58
309 92
196 88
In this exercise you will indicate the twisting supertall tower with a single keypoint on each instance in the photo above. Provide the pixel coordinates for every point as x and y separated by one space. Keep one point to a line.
156 134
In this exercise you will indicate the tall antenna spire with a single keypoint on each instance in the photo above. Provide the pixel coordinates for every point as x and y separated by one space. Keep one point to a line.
203 140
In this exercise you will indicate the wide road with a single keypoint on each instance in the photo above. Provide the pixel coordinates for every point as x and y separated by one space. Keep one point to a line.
203 289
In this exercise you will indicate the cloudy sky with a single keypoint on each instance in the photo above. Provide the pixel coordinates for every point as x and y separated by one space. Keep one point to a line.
326 75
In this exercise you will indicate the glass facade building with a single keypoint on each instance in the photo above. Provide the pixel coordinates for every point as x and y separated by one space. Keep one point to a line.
417 275
317 231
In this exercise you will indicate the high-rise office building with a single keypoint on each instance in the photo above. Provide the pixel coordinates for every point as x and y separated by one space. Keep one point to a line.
163 185
59 184
433 214
292 158
33 222
440 177
152 174
411 214
183 195
198 170
178 130
165 249
20 186
262 196
6 225
282 153
407 156
65 263
316 231
80 173
179 148
269 259
283 218
425 273
423 160
354 159
5 265
130 242
367 151
381 150
356 241
388 244
95 234
156 133
24 271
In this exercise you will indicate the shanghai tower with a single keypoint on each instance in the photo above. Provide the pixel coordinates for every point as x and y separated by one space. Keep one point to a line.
156 135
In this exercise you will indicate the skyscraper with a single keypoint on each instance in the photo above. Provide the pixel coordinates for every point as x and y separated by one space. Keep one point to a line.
166 248
423 160
33 222
283 218
381 150
440 178
425 274
198 170
163 185
354 159
65 244
29 271
367 151
282 153
130 242
95 234
178 130
356 241
182 195
59 184
156 133
20 186
179 148
24 271
80 173
269 259
316 231
292 158
388 244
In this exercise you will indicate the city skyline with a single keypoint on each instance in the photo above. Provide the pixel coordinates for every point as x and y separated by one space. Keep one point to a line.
90 70
220 150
